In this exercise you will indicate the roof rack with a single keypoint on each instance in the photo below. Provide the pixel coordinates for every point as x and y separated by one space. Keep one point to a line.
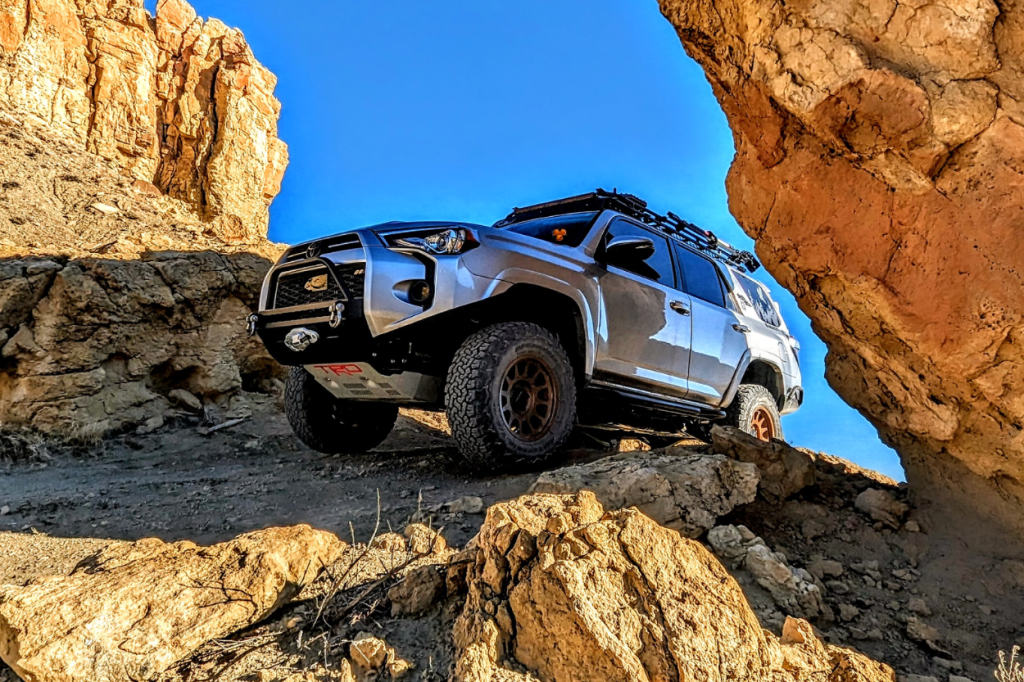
634 207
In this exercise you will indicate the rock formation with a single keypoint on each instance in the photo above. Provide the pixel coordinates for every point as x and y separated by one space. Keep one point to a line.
138 158
173 101
879 147
133 610
574 593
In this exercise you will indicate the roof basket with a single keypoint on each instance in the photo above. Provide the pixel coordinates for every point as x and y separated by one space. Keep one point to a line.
634 207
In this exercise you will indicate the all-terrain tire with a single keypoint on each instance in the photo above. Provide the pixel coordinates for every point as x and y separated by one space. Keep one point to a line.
330 425
479 413
754 405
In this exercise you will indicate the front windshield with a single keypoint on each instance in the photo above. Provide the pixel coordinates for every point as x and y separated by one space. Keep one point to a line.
567 230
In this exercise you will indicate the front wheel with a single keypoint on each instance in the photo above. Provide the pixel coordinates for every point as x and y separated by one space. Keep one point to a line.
510 396
754 411
331 425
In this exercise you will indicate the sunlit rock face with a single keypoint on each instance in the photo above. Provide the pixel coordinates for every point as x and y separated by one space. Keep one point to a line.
880 167
172 100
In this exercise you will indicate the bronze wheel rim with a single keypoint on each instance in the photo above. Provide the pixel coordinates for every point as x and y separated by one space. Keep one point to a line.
762 424
528 396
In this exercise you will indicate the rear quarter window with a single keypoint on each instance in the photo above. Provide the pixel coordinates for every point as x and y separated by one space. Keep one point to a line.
567 230
758 297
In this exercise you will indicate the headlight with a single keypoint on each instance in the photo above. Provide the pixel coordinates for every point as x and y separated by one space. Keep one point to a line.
446 242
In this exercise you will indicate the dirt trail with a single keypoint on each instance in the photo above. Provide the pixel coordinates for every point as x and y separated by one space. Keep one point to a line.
176 484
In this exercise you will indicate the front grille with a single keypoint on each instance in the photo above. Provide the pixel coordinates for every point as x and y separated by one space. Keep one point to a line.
322 247
352 277
303 287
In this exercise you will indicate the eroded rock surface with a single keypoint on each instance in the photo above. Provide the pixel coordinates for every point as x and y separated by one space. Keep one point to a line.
571 592
878 153
133 610
676 488
116 300
173 100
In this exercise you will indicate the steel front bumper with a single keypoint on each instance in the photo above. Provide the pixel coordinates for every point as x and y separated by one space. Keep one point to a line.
350 326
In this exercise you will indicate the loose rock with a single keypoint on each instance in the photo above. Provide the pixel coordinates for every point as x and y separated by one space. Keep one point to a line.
687 493
135 609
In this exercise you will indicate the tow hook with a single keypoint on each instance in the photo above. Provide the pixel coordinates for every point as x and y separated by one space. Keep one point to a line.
300 338
337 310
250 324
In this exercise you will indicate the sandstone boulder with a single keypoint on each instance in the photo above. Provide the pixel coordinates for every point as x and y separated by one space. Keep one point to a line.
785 470
877 154
574 593
133 610
680 490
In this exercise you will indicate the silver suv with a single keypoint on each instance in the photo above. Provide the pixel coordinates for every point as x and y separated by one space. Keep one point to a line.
589 314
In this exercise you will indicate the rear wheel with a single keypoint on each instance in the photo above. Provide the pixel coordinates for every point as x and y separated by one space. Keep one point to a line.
330 425
510 397
754 411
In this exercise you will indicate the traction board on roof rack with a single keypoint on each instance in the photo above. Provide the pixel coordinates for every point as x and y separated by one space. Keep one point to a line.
634 207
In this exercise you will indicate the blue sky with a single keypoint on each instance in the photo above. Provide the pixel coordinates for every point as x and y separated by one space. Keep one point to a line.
403 109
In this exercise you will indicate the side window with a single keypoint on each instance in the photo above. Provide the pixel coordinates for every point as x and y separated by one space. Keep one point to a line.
700 276
659 266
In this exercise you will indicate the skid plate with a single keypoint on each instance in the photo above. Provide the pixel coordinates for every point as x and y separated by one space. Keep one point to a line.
360 381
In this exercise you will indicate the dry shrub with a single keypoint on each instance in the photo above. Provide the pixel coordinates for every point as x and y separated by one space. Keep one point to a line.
1010 669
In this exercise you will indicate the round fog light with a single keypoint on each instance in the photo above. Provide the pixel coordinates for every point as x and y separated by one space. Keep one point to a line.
419 292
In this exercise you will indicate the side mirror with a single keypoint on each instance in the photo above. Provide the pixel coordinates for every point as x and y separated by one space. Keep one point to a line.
627 250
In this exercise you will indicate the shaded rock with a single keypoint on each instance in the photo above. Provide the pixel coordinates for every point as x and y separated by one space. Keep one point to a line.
185 399
921 632
468 504
785 470
574 593
825 568
113 330
684 492
135 609
880 505
419 590
792 589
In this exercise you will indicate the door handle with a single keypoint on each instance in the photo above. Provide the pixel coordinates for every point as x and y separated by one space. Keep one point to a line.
679 307
741 328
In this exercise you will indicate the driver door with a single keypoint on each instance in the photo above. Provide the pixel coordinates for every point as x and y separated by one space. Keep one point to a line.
645 330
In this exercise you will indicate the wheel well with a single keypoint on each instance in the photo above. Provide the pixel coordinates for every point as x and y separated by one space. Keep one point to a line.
763 373
552 310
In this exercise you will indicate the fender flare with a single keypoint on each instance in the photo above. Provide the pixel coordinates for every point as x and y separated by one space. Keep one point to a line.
511 277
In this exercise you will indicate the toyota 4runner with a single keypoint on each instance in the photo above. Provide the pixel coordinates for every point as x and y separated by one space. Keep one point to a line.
591 313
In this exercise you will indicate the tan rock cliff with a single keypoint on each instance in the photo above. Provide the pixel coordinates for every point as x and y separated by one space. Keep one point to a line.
879 147
175 101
